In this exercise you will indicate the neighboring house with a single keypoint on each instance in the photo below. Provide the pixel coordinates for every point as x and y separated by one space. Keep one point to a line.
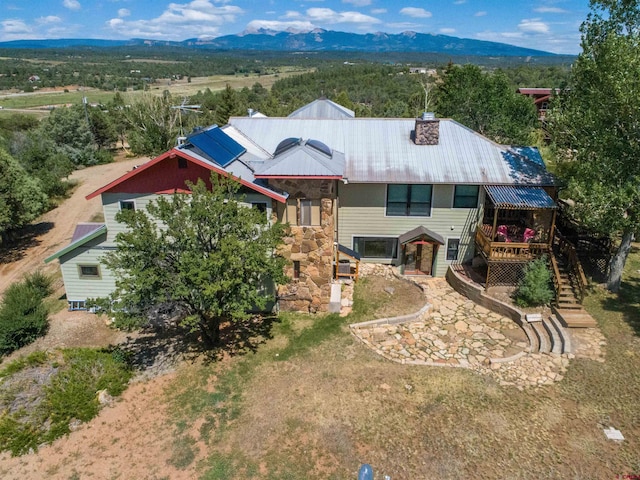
407 192
541 98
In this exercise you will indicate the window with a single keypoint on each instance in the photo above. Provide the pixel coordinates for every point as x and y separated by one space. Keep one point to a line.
182 162
305 212
465 196
453 246
89 271
260 206
409 200
77 305
376 247
296 269
127 205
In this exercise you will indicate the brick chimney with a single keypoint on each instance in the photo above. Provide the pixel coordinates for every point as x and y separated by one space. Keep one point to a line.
427 130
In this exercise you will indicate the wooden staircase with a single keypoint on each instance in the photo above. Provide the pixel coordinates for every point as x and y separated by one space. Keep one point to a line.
570 284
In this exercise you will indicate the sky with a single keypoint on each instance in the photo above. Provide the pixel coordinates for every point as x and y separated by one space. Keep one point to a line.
550 25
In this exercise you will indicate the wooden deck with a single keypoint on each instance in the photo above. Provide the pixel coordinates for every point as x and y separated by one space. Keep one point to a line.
508 251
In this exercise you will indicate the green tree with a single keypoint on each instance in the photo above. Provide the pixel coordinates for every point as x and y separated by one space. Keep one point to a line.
486 103
211 258
21 196
596 127
228 105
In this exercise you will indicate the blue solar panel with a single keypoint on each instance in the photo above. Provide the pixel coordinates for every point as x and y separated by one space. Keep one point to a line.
217 145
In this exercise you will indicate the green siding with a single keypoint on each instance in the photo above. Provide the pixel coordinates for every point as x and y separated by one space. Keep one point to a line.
362 213
82 288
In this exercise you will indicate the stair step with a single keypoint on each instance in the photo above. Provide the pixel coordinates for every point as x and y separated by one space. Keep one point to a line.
532 337
543 338
574 318
556 341
567 347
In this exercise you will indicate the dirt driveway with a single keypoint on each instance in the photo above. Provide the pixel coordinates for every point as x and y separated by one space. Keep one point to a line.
54 229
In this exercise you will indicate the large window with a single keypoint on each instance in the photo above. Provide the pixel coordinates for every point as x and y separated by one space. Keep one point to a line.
409 200
305 212
466 196
376 247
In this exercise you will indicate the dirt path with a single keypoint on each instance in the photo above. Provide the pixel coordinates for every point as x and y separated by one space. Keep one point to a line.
54 229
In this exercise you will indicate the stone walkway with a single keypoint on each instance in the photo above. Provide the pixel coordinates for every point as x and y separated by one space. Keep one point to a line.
456 332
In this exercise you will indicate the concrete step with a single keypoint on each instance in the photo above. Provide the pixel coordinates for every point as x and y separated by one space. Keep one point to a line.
567 346
554 335
543 337
532 337
335 301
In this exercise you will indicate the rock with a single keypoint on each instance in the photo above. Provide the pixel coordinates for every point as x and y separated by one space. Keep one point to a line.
104 398
390 290
461 326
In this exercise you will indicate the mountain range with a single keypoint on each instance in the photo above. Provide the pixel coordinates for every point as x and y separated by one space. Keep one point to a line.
312 41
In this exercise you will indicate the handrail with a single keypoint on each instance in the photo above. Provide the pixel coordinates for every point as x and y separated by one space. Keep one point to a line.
508 251
556 274
574 267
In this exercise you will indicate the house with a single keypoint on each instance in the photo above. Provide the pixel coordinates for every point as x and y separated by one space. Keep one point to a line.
541 98
422 194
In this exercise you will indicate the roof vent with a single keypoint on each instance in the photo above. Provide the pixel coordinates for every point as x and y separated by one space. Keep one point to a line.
427 131
250 111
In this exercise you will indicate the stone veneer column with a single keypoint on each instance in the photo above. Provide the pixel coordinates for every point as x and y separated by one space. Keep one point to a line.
312 246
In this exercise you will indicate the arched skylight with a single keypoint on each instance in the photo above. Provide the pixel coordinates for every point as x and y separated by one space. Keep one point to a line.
319 146
286 144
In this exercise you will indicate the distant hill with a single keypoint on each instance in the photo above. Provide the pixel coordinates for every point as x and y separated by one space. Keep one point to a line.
314 41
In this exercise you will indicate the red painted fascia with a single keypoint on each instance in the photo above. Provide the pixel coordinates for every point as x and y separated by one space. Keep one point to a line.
301 177
178 153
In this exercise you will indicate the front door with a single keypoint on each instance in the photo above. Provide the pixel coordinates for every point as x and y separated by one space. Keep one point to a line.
418 259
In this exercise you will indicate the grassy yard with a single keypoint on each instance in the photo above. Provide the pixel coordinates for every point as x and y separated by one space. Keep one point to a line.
181 88
312 403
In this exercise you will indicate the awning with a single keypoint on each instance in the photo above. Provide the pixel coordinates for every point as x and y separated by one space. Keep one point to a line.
420 233
347 251
513 197
83 233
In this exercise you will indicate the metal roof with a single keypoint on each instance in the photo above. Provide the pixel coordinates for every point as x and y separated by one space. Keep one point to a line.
348 251
418 232
381 150
519 197
83 233
323 108
303 160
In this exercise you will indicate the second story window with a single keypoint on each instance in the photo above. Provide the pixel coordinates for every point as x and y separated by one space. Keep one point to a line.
465 196
127 205
410 200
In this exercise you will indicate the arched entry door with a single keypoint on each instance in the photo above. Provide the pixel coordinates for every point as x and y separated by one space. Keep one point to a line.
419 250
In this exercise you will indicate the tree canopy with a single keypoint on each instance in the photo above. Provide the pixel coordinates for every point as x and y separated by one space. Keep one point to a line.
486 103
596 127
205 253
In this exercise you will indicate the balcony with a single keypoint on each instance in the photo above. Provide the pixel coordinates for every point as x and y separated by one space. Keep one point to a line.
507 251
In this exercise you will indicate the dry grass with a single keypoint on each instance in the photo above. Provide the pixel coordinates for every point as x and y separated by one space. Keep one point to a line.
334 404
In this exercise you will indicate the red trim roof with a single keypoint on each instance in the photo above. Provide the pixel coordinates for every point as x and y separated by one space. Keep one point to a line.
306 177
175 152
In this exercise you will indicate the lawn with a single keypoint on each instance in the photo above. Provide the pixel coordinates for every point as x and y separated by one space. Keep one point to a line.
312 403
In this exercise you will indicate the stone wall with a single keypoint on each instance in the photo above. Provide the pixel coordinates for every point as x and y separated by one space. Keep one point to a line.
312 246
427 132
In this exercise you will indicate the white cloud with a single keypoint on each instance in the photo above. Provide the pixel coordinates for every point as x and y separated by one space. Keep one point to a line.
124 12
292 14
415 12
48 19
404 25
196 18
481 13
278 26
550 10
14 26
326 15
378 11
459 2
71 4
447 31
533 25
358 3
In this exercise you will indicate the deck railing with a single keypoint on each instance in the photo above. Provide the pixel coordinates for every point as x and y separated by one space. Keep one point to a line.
574 267
508 251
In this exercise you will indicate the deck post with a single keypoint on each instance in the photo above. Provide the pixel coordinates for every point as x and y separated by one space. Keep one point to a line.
486 282
495 223
553 227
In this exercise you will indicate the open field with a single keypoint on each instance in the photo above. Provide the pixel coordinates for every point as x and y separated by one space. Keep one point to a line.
39 99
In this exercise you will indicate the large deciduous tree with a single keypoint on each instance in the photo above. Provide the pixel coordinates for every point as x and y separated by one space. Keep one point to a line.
596 126
486 103
203 252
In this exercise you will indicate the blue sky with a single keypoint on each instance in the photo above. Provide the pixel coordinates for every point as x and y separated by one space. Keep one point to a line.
550 25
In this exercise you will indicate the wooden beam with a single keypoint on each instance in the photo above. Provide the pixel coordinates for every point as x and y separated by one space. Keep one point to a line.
553 227
495 223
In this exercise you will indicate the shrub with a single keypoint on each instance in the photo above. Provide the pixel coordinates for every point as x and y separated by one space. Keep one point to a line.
535 288
23 315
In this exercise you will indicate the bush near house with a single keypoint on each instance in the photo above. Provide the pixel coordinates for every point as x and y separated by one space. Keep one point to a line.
23 315
535 288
